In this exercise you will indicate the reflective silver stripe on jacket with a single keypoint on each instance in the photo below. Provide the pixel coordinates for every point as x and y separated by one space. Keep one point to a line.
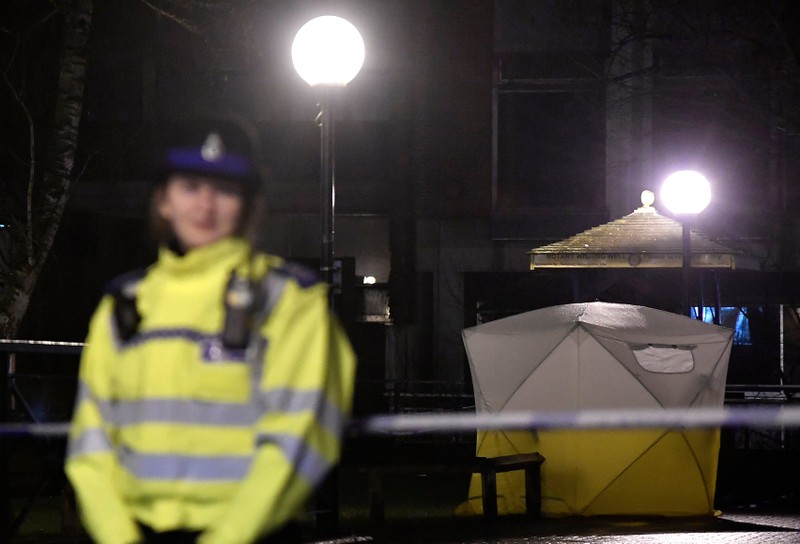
94 440
291 401
181 411
152 466
272 287
185 412
195 412
305 461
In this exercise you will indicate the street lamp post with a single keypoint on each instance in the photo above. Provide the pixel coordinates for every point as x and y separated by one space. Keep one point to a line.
686 193
327 53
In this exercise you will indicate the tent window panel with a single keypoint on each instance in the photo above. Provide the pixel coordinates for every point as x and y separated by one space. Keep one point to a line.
665 359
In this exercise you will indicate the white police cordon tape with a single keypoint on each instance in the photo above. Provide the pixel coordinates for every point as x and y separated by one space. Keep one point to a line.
442 422
757 417
34 429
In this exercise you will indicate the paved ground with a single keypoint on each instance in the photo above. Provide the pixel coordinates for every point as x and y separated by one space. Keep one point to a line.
776 524
423 516
734 527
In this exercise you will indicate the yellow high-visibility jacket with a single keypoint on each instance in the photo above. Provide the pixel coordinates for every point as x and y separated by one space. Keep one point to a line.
173 431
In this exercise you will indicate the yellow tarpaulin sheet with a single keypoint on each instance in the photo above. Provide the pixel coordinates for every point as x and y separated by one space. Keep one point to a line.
617 472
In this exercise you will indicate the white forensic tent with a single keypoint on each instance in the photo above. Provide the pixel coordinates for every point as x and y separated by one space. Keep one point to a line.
601 356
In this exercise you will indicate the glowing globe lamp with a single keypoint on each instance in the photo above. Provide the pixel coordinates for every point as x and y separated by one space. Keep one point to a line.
686 192
328 51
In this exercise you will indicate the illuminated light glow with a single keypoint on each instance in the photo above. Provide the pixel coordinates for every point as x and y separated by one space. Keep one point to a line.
328 51
648 198
686 192
369 280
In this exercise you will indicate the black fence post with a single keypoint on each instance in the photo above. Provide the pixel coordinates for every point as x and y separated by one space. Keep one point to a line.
6 512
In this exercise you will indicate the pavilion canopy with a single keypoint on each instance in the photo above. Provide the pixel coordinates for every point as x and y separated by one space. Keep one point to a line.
642 239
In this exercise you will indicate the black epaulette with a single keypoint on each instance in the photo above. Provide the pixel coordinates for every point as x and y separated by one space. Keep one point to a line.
305 276
123 291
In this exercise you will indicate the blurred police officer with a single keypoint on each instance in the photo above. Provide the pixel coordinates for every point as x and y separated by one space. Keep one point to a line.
215 383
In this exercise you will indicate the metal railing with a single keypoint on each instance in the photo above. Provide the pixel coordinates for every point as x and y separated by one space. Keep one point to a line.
14 402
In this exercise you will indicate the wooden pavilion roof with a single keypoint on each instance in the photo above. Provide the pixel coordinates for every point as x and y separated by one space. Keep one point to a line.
642 239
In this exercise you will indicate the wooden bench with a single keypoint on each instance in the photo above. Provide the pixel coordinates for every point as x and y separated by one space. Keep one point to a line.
487 467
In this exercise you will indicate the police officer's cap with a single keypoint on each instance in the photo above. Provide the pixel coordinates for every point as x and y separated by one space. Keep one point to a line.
225 147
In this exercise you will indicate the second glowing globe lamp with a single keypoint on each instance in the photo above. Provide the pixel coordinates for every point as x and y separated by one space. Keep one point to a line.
686 192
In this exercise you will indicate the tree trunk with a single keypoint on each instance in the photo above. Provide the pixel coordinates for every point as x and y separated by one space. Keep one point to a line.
60 156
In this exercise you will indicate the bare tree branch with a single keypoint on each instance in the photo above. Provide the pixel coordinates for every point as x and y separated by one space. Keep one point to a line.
194 29
53 191
31 168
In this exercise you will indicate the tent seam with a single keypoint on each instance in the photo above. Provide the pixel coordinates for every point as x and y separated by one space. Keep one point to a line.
555 346
714 369
619 475
697 465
